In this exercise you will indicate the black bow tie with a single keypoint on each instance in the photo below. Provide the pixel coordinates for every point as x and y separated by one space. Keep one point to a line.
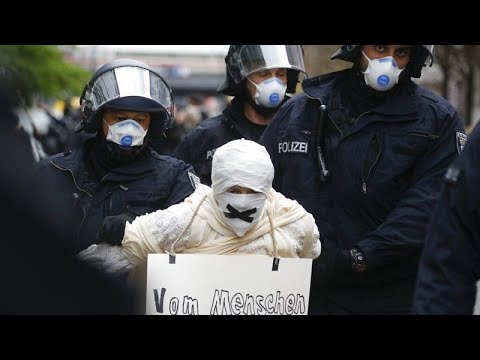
242 215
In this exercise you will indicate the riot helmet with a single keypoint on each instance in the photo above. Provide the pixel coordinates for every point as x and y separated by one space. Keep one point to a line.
422 55
126 84
243 60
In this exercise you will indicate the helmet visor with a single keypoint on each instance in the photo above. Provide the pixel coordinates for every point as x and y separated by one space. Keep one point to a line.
130 81
253 58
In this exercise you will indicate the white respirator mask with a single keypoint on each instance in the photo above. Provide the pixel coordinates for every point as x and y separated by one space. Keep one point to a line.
126 133
381 74
270 92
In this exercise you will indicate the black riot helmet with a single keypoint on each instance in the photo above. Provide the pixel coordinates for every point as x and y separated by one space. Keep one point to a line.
243 60
422 55
126 84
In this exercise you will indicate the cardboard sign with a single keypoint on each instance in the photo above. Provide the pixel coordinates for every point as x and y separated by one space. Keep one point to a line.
193 284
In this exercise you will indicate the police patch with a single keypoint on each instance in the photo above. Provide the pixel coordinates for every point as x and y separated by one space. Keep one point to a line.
461 141
210 153
300 147
194 179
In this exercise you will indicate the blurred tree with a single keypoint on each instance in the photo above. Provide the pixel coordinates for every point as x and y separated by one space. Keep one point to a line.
459 64
42 70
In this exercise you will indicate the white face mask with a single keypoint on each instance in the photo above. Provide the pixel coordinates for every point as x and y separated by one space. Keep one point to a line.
241 211
270 92
382 74
126 133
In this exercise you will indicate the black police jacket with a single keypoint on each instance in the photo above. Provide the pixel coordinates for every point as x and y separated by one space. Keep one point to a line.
143 186
450 264
199 145
384 176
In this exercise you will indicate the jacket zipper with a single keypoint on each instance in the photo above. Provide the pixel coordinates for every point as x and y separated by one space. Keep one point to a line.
365 180
73 177
359 116
110 193
79 188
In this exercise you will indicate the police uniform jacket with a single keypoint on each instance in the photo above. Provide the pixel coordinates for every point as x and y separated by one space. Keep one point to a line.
198 146
150 183
384 175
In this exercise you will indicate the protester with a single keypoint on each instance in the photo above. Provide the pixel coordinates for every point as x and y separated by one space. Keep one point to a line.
239 214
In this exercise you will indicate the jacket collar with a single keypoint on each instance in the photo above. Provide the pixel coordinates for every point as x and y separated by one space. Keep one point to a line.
399 103
234 117
74 161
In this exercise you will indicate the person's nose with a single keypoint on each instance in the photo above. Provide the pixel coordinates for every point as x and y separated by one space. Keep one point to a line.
271 74
391 52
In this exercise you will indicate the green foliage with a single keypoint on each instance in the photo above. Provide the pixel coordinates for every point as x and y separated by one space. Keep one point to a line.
42 70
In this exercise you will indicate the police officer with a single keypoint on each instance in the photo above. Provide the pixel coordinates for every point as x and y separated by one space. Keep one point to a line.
450 264
261 78
364 150
116 172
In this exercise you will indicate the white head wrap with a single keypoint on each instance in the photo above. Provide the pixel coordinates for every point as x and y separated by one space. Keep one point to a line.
243 163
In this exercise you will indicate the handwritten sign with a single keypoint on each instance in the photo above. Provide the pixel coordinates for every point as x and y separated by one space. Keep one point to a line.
193 284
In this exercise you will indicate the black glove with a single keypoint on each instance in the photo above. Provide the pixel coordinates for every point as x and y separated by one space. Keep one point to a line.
332 262
113 228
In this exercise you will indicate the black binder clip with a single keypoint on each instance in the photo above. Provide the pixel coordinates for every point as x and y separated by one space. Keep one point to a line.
276 262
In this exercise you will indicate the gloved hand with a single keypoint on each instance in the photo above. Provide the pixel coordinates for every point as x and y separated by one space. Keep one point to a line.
333 261
113 228
106 258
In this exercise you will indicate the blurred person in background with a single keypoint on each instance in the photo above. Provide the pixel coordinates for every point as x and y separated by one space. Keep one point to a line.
116 172
364 150
261 78
72 116
10 103
185 120
196 109
66 123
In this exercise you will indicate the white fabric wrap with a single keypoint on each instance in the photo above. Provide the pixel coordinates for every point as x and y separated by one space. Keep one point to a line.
197 226
244 163
295 231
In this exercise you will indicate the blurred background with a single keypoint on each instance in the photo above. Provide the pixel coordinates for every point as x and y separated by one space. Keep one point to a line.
49 80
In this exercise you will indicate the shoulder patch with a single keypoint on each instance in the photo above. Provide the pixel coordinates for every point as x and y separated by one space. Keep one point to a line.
194 179
461 140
